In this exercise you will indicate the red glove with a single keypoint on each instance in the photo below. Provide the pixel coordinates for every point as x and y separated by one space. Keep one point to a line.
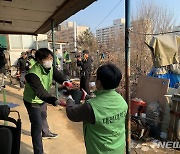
61 103
67 84
84 94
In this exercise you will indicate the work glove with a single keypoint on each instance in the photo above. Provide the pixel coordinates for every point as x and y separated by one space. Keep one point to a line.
67 84
69 97
60 102
84 94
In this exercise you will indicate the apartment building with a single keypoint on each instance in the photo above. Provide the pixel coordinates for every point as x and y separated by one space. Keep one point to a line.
106 34
68 32
176 29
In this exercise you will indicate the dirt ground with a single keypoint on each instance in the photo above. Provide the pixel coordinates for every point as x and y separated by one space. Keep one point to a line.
70 138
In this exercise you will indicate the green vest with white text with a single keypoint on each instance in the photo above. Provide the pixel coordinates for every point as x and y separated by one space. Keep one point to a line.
46 81
107 135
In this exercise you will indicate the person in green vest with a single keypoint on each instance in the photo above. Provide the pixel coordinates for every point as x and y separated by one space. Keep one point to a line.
37 93
66 62
103 116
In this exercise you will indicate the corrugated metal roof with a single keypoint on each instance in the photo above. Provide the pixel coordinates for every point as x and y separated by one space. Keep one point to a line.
34 16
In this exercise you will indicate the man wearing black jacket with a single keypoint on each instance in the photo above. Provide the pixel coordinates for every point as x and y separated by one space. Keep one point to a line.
85 72
36 94
22 68
2 60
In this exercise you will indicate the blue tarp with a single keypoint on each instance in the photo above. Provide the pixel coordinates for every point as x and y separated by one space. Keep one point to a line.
174 78
11 105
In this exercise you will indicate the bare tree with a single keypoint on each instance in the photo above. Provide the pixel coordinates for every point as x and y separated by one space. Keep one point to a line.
113 49
87 41
159 19
149 19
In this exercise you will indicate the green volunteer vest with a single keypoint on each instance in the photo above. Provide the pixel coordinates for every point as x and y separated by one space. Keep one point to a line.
107 135
45 78
57 61
32 62
64 56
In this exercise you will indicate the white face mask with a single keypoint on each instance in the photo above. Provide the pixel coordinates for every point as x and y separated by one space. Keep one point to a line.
47 63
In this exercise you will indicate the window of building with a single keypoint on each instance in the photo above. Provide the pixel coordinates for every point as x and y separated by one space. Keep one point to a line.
28 42
16 42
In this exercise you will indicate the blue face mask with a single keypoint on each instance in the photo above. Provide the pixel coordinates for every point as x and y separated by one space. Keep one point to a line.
47 63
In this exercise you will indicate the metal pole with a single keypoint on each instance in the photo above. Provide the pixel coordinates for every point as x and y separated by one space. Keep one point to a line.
54 59
127 75
37 42
75 37
97 58
5 103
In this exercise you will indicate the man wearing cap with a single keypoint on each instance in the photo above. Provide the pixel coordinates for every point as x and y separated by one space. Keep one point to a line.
22 68
85 72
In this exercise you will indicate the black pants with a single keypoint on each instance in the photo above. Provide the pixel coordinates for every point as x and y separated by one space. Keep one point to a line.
67 69
37 115
84 83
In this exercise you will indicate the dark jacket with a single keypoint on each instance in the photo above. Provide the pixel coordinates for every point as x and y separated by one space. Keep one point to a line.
23 64
35 83
86 66
2 62
2 59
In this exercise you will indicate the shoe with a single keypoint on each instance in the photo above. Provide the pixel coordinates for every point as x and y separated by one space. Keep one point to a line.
54 134
20 89
49 136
